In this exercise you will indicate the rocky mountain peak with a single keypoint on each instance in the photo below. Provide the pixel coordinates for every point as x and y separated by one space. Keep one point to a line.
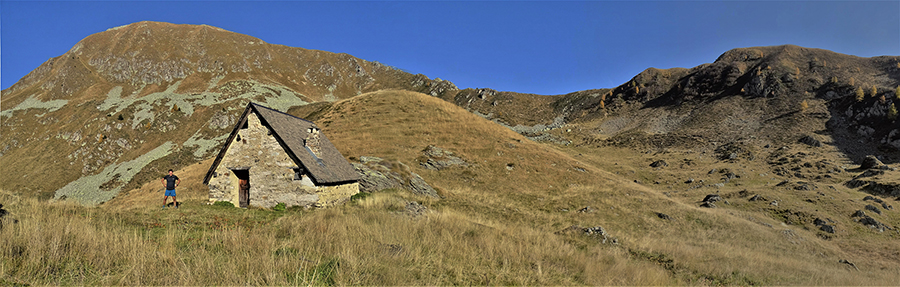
148 57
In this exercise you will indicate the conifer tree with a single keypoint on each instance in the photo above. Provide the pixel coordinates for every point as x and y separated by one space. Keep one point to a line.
860 94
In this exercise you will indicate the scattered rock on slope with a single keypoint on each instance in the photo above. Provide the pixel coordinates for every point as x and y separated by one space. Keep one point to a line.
861 217
809 140
596 231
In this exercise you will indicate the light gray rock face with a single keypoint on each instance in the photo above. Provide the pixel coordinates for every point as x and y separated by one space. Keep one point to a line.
373 179
437 159
377 174
418 186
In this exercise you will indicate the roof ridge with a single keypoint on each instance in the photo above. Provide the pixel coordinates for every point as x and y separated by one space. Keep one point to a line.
283 113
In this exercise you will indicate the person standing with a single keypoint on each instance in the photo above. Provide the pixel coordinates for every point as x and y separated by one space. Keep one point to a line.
170 181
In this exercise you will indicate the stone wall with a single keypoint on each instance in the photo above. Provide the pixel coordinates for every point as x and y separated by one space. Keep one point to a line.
270 172
334 195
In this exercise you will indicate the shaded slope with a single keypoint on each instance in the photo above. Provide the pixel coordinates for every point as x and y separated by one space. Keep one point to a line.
754 93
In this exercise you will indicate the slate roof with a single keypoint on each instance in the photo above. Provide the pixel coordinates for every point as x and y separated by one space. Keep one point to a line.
329 167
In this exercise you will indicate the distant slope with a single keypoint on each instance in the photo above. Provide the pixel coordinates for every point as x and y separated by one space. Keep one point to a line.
752 93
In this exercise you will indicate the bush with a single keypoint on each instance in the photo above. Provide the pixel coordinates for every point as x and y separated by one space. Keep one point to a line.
360 196
223 204
892 112
279 207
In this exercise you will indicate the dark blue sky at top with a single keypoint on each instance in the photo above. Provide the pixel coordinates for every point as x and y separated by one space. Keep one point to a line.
542 47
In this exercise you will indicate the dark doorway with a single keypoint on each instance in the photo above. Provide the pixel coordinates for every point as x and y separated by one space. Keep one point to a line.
243 176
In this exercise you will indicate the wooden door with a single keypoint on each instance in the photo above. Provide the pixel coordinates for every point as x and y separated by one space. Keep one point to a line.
244 193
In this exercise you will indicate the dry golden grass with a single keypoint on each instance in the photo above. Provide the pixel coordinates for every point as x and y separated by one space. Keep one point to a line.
372 242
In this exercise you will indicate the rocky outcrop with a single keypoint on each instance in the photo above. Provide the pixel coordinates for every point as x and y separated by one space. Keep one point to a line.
710 200
870 161
435 158
377 174
861 217
827 226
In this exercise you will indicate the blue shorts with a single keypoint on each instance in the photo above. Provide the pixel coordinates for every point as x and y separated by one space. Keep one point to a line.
170 192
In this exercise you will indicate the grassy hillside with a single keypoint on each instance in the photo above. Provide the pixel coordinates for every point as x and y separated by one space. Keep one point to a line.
503 219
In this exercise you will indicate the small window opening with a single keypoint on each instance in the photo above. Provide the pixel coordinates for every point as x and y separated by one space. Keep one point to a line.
298 173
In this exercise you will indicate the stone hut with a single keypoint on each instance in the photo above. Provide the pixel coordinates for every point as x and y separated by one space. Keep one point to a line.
271 157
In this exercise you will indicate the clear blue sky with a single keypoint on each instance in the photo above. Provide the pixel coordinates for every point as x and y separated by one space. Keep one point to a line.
542 47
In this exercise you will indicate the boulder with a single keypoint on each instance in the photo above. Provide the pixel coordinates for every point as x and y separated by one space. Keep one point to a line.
809 140
708 205
869 197
664 216
873 208
586 209
712 198
824 225
848 263
659 163
855 183
871 162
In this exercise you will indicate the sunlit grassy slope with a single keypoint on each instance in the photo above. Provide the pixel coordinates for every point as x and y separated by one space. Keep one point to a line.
497 223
